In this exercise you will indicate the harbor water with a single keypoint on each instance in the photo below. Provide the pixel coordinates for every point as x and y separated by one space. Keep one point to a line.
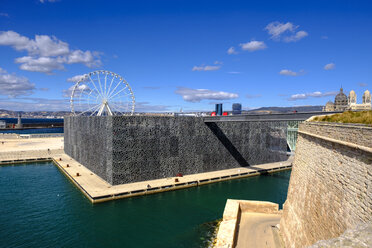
40 207
32 130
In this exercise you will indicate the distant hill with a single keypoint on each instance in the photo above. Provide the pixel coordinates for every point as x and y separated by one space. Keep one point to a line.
278 110
59 114
34 114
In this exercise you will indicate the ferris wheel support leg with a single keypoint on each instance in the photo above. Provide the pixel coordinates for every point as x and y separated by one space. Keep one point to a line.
101 110
108 109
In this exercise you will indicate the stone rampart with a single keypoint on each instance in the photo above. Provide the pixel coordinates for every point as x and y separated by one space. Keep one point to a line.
330 189
360 236
357 134
124 149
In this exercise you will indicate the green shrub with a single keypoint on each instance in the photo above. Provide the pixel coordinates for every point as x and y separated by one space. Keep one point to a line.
361 117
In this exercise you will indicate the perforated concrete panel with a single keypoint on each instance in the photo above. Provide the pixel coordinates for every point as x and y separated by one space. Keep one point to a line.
124 149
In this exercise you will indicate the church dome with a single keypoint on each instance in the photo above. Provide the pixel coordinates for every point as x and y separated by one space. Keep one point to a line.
329 103
341 97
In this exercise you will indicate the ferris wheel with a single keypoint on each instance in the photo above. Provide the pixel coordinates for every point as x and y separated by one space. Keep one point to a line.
102 93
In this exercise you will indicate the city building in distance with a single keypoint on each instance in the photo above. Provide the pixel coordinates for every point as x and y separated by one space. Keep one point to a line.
343 102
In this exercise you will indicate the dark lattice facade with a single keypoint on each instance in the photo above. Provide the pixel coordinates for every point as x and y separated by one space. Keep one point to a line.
124 149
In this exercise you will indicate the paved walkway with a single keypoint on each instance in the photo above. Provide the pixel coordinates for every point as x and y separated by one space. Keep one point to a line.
11 145
258 230
26 149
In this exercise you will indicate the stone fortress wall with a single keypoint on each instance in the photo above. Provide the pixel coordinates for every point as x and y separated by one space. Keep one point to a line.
125 149
330 189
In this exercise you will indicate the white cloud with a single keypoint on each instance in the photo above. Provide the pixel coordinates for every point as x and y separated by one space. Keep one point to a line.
40 64
329 66
46 53
253 45
206 68
42 45
35 104
296 37
86 58
313 94
15 40
363 84
45 45
196 95
277 30
4 14
218 62
234 72
12 85
79 88
75 79
291 73
297 97
231 50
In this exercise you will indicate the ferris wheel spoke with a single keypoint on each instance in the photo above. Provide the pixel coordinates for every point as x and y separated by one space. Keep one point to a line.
114 89
84 98
118 97
124 104
86 108
96 109
100 85
105 84
96 96
117 108
117 105
95 86
121 107
112 80
95 106
91 93
118 92
125 94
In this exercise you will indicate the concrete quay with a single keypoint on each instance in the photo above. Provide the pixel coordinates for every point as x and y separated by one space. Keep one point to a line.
18 150
98 190
249 224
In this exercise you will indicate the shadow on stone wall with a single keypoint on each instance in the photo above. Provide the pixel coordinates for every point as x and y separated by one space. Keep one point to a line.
227 144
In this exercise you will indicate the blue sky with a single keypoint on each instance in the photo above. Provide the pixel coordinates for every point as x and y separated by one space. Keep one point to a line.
186 54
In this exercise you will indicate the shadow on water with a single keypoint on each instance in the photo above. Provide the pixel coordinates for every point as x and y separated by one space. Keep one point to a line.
278 176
